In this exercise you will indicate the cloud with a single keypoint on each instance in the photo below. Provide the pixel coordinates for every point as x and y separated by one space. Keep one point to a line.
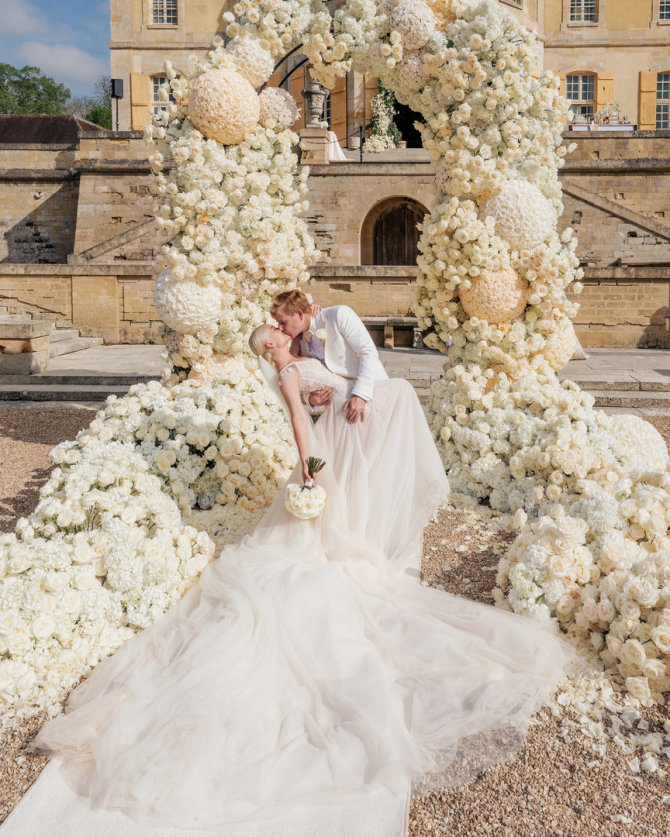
20 18
64 62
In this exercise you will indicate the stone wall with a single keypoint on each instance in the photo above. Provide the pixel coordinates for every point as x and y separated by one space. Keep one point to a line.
342 195
109 301
88 262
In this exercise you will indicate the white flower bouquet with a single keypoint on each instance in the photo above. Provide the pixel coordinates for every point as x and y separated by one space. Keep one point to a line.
306 501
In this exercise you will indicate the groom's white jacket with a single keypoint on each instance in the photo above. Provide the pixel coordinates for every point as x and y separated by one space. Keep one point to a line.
349 349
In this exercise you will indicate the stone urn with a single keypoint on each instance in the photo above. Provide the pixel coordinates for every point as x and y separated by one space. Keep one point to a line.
315 97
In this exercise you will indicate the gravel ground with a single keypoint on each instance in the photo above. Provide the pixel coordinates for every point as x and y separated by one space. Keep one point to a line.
555 786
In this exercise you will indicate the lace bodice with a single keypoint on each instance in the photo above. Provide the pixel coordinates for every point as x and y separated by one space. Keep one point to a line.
314 375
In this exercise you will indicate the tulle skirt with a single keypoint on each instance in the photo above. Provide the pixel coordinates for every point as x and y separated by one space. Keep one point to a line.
309 667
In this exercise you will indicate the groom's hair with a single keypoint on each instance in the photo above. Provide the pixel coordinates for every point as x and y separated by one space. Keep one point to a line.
291 302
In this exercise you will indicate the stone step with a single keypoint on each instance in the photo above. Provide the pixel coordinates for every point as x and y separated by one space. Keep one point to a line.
603 397
48 379
604 383
59 393
72 344
631 398
58 334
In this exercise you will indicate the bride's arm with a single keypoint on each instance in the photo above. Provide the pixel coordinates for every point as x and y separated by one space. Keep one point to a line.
290 389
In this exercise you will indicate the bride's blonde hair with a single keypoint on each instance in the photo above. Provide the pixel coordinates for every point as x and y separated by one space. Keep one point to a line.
257 340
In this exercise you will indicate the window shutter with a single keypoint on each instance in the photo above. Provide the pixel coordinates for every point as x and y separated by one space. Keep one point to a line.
604 89
563 89
297 83
140 110
338 109
647 101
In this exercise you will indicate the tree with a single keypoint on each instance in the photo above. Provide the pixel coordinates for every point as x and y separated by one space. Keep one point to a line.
28 90
100 116
100 110
102 91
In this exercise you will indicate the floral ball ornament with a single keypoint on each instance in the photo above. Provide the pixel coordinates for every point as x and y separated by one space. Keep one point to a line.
415 22
523 216
642 440
223 106
278 108
409 71
254 60
186 306
497 297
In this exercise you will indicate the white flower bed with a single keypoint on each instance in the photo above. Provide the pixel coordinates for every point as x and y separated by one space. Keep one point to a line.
103 555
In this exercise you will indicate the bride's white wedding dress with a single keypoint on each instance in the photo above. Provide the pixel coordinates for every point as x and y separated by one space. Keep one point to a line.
308 679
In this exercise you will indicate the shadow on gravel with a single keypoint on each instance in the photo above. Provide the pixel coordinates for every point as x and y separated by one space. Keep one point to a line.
23 502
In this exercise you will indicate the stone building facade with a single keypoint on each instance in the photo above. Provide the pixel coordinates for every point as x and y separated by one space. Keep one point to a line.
606 52
77 235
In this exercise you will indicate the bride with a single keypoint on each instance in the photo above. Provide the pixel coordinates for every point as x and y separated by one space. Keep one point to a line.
308 682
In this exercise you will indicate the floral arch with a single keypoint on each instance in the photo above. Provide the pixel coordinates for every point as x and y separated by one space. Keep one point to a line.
142 498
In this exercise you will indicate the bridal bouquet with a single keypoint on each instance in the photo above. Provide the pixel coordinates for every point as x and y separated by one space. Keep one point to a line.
308 500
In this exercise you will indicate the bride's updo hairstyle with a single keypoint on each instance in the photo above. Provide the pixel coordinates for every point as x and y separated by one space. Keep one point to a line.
257 340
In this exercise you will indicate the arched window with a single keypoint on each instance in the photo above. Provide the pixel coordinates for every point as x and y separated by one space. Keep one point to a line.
580 90
389 235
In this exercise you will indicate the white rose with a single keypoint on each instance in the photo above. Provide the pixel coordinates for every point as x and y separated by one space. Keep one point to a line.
661 638
605 610
42 626
565 605
632 653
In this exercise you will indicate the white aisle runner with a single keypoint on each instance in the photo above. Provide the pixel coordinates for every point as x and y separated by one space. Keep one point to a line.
51 809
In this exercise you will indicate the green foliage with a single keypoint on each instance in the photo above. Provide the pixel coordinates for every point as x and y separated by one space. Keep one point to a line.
382 119
29 91
100 115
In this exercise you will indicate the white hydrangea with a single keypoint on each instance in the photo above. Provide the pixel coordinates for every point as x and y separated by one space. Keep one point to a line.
254 61
278 108
409 71
523 216
186 306
415 21
646 445
223 106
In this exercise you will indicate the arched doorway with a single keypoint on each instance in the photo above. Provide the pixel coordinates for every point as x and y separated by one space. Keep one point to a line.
389 235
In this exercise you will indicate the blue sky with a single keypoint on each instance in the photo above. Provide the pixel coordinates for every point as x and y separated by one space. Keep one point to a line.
66 39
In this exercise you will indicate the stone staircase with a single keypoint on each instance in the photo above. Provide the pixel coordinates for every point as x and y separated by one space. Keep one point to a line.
65 341
629 381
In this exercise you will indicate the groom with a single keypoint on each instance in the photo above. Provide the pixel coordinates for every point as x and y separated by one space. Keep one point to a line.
346 348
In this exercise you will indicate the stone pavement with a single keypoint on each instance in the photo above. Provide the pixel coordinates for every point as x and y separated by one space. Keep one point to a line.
634 380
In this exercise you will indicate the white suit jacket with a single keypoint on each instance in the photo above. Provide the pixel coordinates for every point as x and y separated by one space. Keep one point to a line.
349 349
